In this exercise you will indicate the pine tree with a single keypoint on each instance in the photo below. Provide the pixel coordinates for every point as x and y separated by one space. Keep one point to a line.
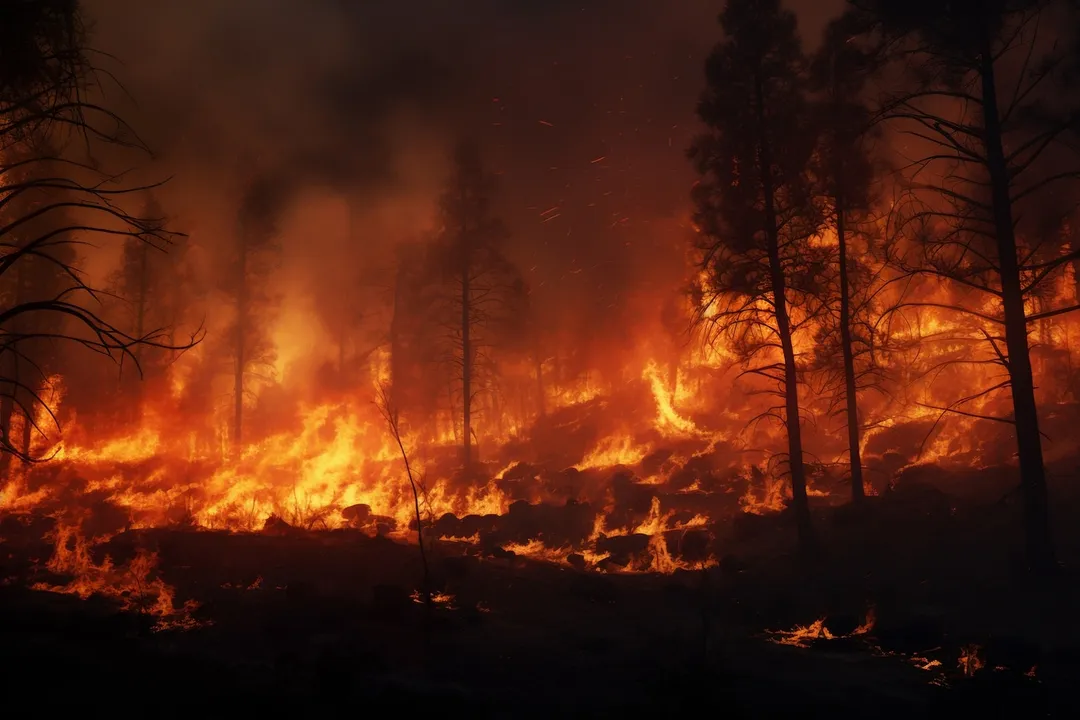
844 173
153 281
479 277
985 97
754 209
256 255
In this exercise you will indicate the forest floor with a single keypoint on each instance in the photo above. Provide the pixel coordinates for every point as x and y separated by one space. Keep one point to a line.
303 622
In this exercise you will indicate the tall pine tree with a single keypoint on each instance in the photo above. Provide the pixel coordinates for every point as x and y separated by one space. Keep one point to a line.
478 278
838 74
754 209
986 99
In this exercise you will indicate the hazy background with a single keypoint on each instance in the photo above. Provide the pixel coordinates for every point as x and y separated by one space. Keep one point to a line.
584 106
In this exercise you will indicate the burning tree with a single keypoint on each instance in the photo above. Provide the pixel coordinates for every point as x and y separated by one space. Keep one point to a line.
754 209
255 256
844 173
480 280
985 121
150 280
43 274
53 194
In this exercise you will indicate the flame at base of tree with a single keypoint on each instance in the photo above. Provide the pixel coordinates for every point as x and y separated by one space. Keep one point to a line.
331 464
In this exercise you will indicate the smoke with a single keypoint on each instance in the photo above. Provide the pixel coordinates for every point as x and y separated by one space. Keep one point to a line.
583 108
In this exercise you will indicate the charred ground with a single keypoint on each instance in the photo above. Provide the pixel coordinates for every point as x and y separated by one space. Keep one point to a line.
925 601
792 436
313 621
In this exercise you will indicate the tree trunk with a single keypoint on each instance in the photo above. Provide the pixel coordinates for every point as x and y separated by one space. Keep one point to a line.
10 366
240 340
9 363
1039 540
783 328
466 346
140 308
850 388
140 326
28 426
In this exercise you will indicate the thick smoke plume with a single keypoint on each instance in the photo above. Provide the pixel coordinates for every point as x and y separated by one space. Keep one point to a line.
331 103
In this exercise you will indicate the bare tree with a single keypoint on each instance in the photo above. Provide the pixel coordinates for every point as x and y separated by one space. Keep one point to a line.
985 115
844 173
256 254
154 282
384 401
53 197
469 254
754 209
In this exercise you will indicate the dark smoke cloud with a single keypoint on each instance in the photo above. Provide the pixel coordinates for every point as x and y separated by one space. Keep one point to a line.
581 105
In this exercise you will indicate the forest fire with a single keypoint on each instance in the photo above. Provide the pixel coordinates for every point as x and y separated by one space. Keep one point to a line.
488 370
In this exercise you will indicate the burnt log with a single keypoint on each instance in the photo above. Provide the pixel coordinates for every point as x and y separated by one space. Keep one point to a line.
478 525
357 516
623 549
695 546
276 526
384 525
447 526
519 472
556 525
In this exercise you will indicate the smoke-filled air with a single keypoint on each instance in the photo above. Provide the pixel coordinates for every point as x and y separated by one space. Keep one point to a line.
768 302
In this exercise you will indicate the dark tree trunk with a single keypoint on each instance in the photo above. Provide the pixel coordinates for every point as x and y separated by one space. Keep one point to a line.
240 340
783 328
28 426
140 327
10 367
140 307
850 387
1039 540
466 349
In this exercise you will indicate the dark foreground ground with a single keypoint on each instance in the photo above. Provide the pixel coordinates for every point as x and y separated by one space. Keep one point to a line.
301 623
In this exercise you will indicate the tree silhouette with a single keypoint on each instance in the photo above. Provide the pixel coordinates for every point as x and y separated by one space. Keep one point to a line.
844 171
54 196
754 209
153 281
983 103
469 256
37 276
255 256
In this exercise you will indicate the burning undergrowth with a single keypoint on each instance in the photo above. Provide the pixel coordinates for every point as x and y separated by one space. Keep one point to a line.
946 663
136 585
623 482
